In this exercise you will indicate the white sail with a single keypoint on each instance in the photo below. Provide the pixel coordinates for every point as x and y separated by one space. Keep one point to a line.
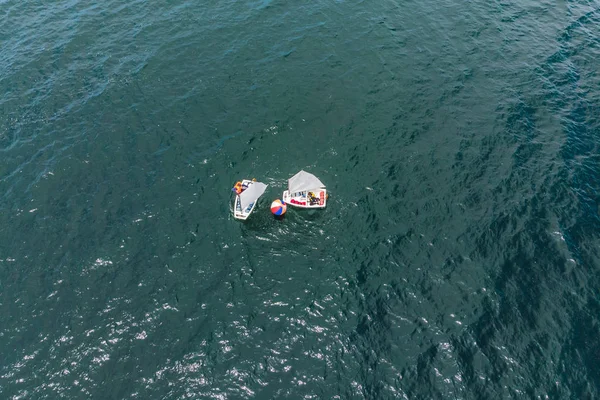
304 181
250 195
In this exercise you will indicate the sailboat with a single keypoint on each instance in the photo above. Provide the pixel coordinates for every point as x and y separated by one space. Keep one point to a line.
247 194
305 191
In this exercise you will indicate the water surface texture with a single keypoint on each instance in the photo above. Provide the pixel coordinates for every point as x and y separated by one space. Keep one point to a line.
458 256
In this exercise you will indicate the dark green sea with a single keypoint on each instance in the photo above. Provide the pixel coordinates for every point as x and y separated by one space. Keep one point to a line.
459 253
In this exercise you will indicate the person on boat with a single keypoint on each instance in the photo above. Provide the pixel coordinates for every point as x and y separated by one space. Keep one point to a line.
237 188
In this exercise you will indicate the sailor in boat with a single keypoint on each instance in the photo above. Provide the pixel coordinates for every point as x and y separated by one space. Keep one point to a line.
238 188
312 199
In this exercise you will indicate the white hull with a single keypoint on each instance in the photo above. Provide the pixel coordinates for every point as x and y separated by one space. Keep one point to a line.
316 198
238 213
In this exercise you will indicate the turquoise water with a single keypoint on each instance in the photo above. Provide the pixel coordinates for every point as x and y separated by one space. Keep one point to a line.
458 254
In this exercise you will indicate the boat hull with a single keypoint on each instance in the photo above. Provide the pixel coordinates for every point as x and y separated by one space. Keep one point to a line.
316 198
238 213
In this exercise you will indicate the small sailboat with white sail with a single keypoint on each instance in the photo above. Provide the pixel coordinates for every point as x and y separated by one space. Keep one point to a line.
305 191
247 193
